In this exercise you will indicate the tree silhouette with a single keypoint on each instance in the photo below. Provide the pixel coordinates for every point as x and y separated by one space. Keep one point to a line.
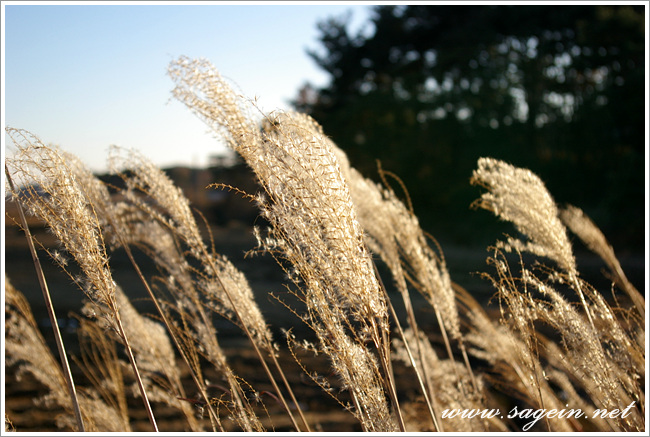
557 89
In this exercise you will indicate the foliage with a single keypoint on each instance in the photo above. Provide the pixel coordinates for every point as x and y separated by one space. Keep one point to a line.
432 88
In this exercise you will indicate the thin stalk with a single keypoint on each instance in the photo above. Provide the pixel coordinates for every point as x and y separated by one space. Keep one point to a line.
383 347
632 292
463 350
362 422
426 386
138 379
428 400
122 333
390 378
50 311
575 283
443 329
257 351
458 289
445 338
168 325
535 363
288 386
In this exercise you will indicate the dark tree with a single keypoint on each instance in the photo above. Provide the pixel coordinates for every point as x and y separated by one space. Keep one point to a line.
557 89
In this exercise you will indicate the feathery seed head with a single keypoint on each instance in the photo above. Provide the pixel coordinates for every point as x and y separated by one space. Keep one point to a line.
519 196
60 192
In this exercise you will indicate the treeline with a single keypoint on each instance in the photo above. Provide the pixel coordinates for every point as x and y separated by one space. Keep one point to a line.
428 89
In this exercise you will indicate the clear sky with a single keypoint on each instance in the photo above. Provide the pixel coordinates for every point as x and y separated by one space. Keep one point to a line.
88 75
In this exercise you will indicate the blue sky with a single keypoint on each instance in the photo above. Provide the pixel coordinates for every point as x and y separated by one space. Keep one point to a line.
88 75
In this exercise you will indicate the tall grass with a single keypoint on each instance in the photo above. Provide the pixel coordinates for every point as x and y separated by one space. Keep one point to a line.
556 344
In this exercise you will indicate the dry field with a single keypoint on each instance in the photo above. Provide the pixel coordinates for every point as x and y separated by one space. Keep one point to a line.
335 312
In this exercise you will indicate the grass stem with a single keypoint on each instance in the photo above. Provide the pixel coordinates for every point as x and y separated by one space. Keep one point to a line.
50 310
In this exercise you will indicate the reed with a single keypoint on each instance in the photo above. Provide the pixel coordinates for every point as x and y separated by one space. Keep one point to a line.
553 342
70 216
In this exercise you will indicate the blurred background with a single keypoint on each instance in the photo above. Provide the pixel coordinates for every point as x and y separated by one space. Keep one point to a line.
556 89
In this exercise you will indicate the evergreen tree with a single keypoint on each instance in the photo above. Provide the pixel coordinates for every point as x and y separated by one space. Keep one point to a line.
557 89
